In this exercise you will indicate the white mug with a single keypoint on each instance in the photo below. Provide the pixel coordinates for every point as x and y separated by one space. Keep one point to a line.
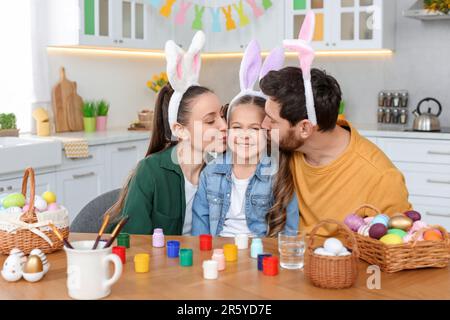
88 270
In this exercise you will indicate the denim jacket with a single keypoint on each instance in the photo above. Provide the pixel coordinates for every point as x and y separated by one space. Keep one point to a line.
212 200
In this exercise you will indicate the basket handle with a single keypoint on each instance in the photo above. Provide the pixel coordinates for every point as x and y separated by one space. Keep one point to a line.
29 173
366 206
422 231
341 226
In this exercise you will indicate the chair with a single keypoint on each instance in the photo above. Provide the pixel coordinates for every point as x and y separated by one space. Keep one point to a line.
90 218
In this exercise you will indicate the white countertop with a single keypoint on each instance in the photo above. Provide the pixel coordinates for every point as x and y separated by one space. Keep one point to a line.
374 130
114 135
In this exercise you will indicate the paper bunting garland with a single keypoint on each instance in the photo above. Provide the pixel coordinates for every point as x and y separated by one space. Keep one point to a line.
223 13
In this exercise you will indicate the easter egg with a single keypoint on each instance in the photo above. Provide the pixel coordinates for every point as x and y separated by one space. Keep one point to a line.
49 197
368 220
432 235
418 225
323 252
40 203
14 200
399 232
333 245
364 230
381 218
391 239
34 269
377 230
400 222
53 207
353 221
413 215
13 210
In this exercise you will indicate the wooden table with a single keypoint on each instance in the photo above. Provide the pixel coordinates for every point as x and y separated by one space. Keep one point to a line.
240 280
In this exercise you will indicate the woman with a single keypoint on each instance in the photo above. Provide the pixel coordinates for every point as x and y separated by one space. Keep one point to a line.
159 194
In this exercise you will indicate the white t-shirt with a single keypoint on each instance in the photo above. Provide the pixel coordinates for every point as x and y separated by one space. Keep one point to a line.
189 190
235 220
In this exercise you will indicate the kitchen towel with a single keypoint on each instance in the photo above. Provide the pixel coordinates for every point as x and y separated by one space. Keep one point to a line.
75 149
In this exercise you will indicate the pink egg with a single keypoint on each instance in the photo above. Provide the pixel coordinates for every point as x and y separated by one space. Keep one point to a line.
368 220
354 222
53 207
418 225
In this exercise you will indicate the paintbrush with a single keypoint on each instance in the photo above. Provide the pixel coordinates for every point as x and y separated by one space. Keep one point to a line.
102 229
60 237
116 231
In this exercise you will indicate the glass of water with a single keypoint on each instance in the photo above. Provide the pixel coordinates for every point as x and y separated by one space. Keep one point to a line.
291 246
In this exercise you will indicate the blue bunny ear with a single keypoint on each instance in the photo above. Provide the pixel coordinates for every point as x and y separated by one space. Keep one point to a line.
273 62
250 66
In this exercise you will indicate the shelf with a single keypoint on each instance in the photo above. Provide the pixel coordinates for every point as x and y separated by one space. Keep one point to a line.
417 11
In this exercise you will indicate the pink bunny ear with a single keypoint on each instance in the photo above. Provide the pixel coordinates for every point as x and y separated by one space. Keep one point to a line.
308 27
250 66
273 62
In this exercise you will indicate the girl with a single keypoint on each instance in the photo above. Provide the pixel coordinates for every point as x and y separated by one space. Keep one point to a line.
160 192
236 193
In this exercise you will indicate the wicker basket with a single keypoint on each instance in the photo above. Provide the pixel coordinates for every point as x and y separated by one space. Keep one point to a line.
332 272
411 255
30 230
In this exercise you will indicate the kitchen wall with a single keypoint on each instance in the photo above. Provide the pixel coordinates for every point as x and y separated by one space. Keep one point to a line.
419 64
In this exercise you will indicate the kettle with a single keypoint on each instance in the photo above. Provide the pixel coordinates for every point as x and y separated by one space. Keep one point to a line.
428 121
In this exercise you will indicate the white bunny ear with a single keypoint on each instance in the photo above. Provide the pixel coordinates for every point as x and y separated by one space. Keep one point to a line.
193 57
273 62
175 69
250 66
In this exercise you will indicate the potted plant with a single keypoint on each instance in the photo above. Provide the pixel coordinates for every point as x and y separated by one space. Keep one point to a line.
89 116
102 115
8 126
438 5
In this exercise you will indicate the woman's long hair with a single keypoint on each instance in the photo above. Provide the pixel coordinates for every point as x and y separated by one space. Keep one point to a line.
161 134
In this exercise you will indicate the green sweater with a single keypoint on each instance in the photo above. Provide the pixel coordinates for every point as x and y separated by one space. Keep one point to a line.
156 196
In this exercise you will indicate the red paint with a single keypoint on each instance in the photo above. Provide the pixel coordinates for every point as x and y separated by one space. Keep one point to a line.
270 266
121 252
205 242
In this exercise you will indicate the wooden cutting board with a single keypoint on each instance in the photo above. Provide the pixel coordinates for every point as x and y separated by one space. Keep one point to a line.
67 105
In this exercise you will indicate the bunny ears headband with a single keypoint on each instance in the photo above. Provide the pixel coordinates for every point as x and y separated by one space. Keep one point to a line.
252 69
183 70
306 55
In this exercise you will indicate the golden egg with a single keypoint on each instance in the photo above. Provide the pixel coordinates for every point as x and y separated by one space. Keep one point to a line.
33 265
400 222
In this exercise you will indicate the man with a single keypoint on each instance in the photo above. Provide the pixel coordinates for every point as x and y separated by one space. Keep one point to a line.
334 168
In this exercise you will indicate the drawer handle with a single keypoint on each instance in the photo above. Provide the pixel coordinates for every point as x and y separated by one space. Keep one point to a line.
122 149
2 189
86 158
438 181
438 214
84 175
9 188
439 153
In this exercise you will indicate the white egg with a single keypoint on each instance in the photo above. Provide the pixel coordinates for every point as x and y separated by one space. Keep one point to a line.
13 210
333 246
40 203
43 257
33 277
344 254
344 250
12 268
323 252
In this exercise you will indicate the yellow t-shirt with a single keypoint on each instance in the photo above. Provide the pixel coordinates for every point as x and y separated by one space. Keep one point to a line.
363 174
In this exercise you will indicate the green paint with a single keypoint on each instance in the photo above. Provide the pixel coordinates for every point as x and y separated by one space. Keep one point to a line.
299 4
89 17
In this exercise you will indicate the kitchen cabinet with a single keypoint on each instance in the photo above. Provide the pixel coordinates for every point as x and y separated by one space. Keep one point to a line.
425 164
345 24
76 187
99 23
44 182
121 160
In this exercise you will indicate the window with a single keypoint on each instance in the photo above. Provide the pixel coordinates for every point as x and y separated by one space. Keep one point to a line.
16 75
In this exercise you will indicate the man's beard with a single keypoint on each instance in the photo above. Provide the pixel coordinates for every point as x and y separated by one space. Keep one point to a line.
291 142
